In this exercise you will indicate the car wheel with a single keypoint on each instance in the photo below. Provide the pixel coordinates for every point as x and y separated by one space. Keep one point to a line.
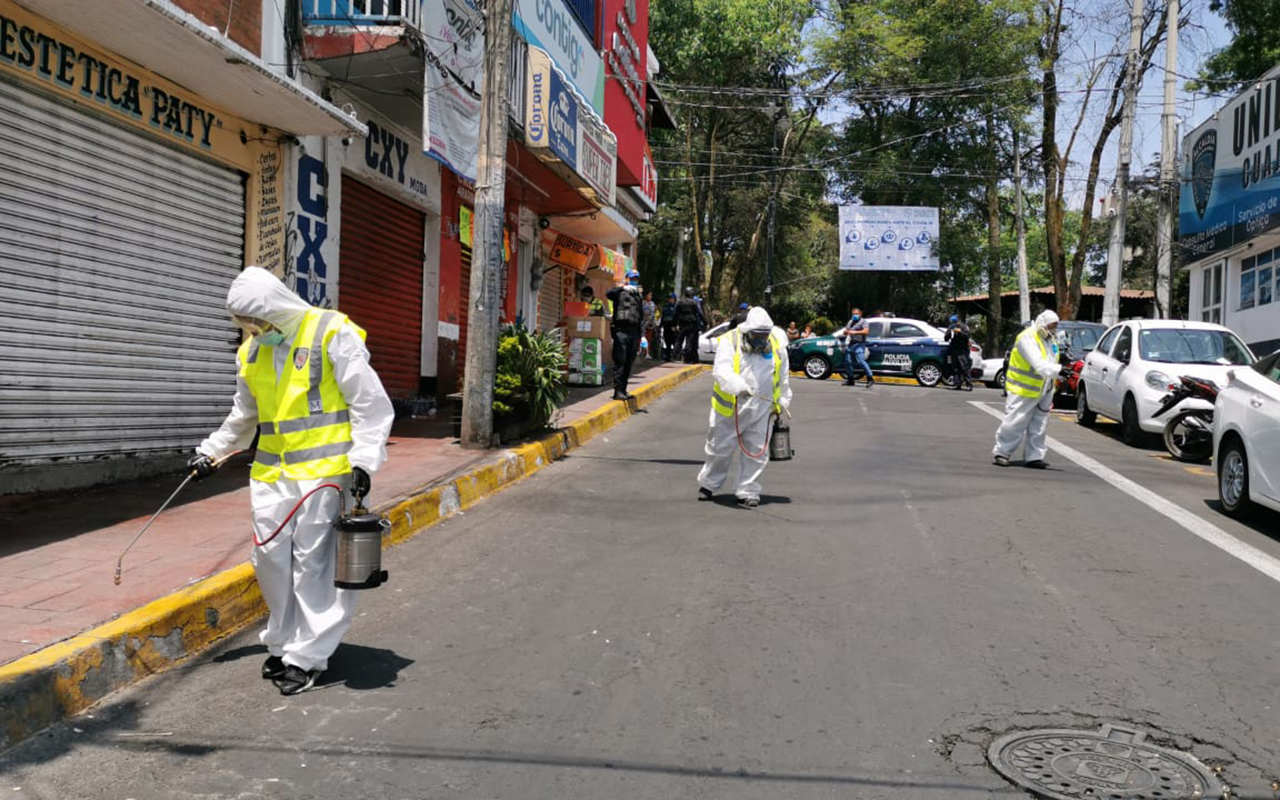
817 367
1130 429
1233 479
999 380
1085 415
928 373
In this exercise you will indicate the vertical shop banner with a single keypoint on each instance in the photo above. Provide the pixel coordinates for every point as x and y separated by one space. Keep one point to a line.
598 158
550 24
894 238
551 110
454 33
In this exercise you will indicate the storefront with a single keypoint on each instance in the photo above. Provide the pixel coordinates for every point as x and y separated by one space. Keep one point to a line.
128 204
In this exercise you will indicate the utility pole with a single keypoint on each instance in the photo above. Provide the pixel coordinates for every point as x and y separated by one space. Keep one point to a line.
768 247
1115 251
679 290
486 264
1024 288
1168 170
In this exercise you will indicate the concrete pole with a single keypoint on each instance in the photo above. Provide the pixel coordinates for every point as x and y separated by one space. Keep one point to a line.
679 289
486 263
1024 289
1168 170
1115 250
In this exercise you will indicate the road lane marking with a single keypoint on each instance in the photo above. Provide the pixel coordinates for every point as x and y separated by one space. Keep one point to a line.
1263 562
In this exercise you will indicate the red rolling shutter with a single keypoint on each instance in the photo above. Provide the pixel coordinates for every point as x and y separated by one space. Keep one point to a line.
380 282
464 310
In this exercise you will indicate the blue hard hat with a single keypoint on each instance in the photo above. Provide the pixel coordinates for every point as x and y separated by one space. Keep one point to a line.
954 318
745 305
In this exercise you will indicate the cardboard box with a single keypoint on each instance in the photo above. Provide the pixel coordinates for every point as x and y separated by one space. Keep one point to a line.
586 346
587 328
580 378
585 362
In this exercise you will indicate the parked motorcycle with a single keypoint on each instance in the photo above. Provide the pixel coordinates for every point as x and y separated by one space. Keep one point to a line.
1188 435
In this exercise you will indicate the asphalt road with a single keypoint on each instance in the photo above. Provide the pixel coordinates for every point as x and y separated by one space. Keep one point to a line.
594 632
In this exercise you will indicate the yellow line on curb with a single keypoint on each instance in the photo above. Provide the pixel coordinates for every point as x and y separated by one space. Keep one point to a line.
67 677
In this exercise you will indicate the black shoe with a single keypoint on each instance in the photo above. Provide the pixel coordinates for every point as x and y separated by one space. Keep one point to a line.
1000 461
1036 464
850 382
968 387
273 667
871 382
296 680
620 396
704 493
748 502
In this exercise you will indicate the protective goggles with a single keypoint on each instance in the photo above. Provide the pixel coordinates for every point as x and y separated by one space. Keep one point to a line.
756 342
252 326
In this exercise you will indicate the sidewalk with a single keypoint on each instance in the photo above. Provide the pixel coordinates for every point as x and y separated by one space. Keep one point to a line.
59 551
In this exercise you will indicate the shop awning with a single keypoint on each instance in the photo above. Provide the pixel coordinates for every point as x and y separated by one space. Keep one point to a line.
163 38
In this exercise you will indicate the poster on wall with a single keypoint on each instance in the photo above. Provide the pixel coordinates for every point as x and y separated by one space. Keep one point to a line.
894 238
454 34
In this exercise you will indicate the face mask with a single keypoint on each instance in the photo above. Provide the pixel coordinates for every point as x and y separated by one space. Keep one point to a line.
271 339
855 318
757 344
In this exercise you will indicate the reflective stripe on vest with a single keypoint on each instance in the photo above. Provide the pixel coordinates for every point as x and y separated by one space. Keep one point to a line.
304 423
724 403
1020 378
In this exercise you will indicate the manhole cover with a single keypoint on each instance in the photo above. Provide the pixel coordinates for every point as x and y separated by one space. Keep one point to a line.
1112 763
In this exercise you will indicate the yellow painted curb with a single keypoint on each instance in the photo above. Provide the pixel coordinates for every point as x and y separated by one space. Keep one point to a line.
65 678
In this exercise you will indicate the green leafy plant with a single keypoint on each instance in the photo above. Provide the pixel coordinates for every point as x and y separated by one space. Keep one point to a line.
822 326
530 382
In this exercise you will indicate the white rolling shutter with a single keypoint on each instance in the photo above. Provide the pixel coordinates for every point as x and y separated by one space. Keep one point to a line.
116 252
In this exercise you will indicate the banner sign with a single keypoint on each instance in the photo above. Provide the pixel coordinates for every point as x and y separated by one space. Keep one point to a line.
897 238
550 25
598 158
551 110
454 35
616 263
573 253
1231 174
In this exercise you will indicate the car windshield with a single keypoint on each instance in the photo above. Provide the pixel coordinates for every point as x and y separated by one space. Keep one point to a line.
1079 340
1190 346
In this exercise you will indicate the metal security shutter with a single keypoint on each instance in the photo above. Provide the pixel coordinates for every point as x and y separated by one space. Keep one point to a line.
380 282
116 252
550 302
464 309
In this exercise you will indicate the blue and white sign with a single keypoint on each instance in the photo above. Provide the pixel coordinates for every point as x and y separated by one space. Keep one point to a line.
551 110
893 238
550 25
1231 174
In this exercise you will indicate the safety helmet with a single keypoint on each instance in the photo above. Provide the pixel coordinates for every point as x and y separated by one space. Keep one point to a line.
631 273
744 306
954 318
688 291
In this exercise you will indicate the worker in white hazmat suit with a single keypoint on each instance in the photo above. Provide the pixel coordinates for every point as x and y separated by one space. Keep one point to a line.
1029 380
751 381
305 383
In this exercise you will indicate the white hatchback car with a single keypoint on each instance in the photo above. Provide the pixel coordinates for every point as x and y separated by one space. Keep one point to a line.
1136 363
1246 438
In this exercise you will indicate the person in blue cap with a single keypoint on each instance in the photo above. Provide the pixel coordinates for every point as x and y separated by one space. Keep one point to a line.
957 338
739 316
627 327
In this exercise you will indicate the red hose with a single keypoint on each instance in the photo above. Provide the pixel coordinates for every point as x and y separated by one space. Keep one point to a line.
298 505
742 446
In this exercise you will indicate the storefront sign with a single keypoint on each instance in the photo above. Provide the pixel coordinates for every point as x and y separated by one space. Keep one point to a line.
392 159
616 263
311 273
1231 173
649 182
454 35
550 25
893 238
114 88
573 253
626 59
597 159
551 110
625 31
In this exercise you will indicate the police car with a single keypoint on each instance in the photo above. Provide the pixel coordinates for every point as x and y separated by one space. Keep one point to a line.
895 346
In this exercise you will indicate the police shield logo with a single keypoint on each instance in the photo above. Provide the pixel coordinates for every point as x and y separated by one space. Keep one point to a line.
1203 154
300 357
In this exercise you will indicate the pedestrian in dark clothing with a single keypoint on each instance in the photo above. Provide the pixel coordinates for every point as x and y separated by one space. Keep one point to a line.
739 316
628 319
690 322
669 329
957 338
855 348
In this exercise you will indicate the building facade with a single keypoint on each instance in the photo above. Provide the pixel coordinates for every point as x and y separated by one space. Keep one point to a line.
1229 216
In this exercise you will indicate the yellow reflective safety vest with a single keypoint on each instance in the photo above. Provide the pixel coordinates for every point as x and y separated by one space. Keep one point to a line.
726 404
595 307
1020 378
304 424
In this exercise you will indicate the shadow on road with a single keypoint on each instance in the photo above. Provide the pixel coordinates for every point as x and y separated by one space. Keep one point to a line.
352 665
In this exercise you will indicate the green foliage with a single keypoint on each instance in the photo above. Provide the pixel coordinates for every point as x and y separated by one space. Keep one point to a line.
1254 48
530 382
822 326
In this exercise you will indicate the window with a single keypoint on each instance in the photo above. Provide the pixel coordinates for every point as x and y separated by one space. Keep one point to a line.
1270 367
1104 346
1265 270
1248 283
875 330
1124 347
1211 294
1191 346
900 330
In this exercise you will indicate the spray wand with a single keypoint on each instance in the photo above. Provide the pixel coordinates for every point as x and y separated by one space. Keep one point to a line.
181 486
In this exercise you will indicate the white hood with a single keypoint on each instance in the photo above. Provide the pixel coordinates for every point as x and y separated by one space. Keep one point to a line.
757 320
1045 319
257 293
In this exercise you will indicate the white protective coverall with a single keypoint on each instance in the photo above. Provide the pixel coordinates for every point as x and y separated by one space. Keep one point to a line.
309 615
1029 416
754 390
